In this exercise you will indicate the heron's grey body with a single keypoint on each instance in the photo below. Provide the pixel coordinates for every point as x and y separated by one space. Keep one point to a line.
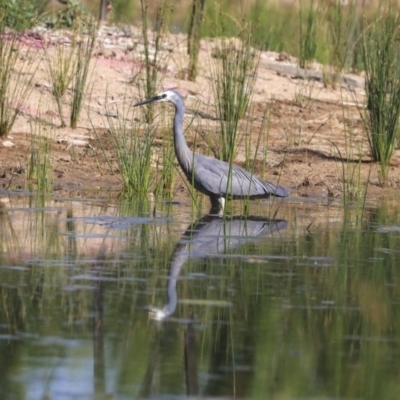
215 178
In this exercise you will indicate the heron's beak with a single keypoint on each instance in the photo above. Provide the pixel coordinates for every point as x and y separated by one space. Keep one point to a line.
141 103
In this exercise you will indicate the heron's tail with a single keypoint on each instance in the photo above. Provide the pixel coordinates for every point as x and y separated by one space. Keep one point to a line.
280 192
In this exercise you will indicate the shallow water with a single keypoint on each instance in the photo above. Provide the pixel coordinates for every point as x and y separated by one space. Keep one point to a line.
101 300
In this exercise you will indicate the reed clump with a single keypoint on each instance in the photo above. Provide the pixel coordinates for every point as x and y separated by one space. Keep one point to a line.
154 62
381 58
132 143
84 49
234 72
17 67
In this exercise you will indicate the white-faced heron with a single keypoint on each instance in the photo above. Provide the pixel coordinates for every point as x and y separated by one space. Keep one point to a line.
215 178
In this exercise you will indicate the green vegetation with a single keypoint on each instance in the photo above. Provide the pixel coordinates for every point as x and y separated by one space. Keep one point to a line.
234 70
38 164
166 165
61 70
84 50
337 34
72 14
16 75
124 11
342 24
22 14
381 57
152 62
308 29
68 65
194 36
132 142
290 315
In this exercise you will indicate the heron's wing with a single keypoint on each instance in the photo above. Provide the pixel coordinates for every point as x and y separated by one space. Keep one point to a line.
213 175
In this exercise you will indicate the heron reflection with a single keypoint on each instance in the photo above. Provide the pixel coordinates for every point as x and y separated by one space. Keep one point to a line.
211 235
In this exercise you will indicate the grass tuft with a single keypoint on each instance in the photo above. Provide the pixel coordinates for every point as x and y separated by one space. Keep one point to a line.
38 163
84 49
381 57
308 16
234 76
16 75
152 56
194 36
61 71
133 146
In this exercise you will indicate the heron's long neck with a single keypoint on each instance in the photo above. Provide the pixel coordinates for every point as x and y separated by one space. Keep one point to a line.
182 151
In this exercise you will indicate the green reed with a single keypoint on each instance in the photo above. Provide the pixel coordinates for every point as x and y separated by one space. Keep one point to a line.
132 142
350 164
16 75
166 168
39 159
194 36
341 23
308 17
84 50
234 76
61 68
381 57
154 60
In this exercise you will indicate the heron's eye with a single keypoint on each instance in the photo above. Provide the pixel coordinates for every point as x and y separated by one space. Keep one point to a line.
163 96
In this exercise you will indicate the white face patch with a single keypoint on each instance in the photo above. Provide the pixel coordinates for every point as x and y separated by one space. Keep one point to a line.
167 95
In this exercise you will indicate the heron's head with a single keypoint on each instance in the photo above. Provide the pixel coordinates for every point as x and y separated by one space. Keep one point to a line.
169 95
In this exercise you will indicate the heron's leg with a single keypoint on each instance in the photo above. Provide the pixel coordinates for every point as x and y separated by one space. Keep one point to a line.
217 205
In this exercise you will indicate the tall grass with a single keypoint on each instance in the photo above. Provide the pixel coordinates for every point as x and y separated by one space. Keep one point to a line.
301 27
84 50
234 75
350 171
308 17
166 167
381 58
68 67
342 23
16 74
61 68
38 163
152 47
194 36
133 145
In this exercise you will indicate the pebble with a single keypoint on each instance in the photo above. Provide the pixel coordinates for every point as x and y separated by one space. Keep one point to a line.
8 143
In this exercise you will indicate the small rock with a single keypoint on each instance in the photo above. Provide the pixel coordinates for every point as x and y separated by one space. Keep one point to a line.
8 143
44 84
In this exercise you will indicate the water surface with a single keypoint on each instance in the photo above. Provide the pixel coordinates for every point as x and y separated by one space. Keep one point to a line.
124 301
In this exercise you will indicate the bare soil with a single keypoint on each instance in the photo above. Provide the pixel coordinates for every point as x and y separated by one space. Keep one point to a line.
316 144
